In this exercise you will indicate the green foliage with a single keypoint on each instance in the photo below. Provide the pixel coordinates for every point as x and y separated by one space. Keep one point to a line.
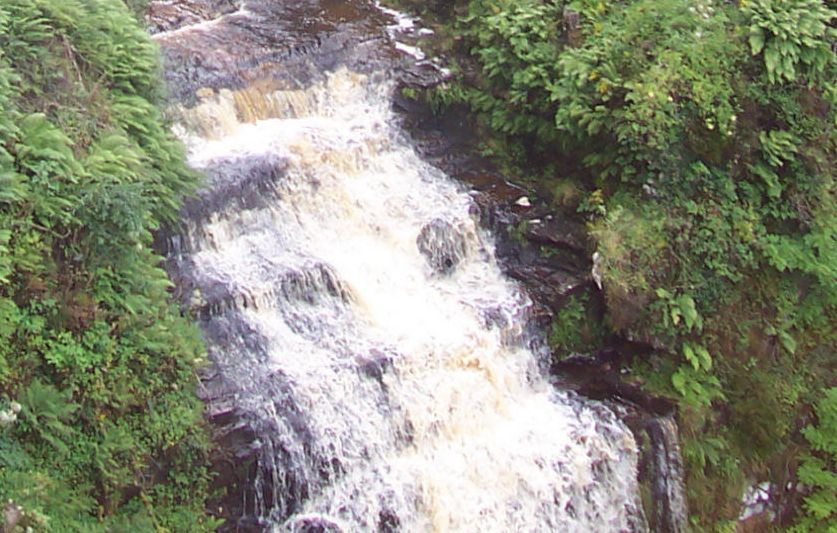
576 327
109 434
515 42
138 7
630 243
697 356
680 307
793 36
45 414
819 469
566 329
696 386
643 79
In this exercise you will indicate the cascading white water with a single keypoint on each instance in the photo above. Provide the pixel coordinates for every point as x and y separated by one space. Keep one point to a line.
356 306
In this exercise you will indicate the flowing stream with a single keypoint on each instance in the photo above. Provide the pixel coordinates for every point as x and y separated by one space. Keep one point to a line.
362 329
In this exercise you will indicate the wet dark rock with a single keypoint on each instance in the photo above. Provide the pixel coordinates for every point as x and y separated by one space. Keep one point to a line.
167 16
651 420
521 233
422 75
235 455
236 185
550 285
436 144
258 471
313 524
248 524
557 232
445 140
598 376
496 318
232 334
388 521
289 43
443 245
278 480
219 296
492 191
375 364
604 359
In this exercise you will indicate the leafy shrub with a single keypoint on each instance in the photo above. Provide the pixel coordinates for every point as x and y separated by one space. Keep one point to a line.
109 434
819 470
515 43
793 36
576 327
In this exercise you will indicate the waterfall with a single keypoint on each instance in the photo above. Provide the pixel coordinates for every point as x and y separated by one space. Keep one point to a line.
356 315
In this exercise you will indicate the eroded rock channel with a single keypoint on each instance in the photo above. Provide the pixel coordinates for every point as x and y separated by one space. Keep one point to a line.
372 366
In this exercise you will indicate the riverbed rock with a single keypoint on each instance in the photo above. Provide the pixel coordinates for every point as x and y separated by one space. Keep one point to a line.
556 231
375 364
313 524
443 245
167 16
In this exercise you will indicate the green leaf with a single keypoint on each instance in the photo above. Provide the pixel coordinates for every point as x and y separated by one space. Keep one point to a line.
675 315
689 354
704 358
788 342
771 61
678 380
687 306
756 40
663 294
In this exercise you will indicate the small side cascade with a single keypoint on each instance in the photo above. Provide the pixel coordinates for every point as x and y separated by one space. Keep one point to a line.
670 514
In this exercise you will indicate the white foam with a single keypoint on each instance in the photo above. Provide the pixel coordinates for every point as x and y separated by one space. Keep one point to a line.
463 432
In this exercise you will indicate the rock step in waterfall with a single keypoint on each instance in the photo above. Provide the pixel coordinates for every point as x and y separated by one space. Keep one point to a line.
361 328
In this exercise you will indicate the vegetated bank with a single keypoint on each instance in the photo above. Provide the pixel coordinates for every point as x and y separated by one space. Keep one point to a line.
100 427
697 142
